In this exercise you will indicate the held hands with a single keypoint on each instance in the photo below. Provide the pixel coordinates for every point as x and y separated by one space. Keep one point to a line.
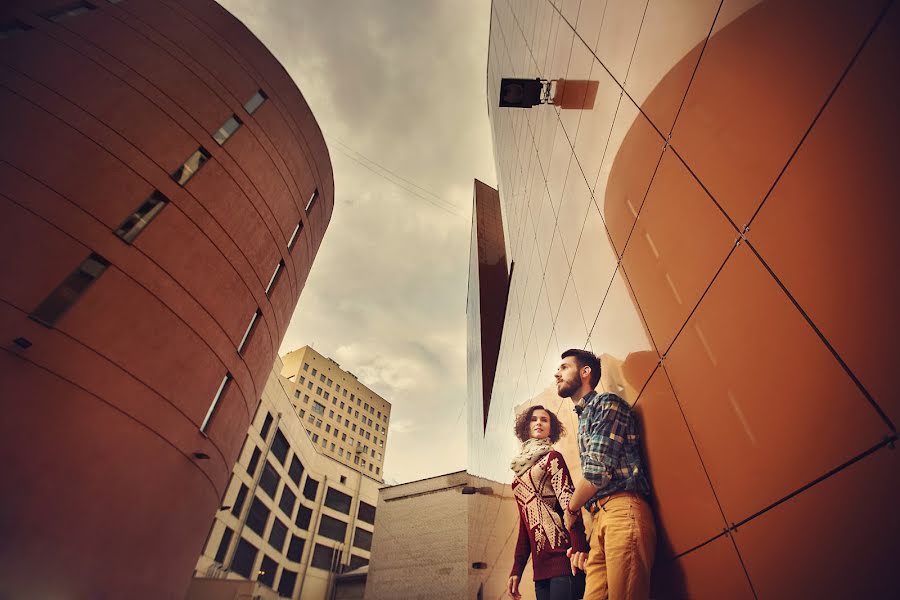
512 587
576 559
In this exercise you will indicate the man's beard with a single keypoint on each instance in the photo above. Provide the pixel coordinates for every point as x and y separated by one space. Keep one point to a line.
567 388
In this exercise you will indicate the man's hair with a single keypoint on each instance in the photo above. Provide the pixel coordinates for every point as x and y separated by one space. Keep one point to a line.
585 358
524 419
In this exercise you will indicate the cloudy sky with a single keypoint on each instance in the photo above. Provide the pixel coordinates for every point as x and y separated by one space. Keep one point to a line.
398 87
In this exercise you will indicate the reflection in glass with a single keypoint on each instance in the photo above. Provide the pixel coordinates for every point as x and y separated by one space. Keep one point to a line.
68 292
227 128
255 102
191 166
139 219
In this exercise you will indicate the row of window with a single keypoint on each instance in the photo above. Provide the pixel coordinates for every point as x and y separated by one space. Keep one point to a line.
329 382
89 271
320 408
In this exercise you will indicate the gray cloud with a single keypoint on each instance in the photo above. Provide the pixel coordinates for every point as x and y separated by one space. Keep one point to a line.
403 84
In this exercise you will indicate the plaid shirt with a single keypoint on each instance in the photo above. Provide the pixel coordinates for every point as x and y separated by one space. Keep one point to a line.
610 446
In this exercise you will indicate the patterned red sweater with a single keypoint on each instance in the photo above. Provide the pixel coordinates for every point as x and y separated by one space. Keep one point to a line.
541 493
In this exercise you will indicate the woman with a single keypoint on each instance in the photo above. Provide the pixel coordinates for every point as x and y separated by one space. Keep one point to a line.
542 488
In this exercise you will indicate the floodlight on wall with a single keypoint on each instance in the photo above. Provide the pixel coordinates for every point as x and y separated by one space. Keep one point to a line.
200 455
524 93
23 343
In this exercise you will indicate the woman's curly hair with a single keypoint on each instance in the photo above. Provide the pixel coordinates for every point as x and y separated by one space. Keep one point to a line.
524 419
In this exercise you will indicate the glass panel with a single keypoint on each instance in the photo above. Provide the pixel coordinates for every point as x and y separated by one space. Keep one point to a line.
255 102
191 166
227 129
63 297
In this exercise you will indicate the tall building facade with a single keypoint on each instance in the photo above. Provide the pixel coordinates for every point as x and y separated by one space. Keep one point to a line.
344 418
708 205
164 189
292 518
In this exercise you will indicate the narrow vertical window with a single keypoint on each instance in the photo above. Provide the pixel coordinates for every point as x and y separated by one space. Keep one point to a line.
139 219
295 235
255 102
12 28
274 278
227 129
215 401
71 10
68 292
249 331
191 166
312 200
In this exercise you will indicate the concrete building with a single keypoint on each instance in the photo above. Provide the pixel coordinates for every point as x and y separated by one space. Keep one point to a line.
708 205
442 537
164 189
292 517
342 415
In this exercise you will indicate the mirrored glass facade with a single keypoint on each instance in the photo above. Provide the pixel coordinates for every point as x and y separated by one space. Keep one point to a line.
708 205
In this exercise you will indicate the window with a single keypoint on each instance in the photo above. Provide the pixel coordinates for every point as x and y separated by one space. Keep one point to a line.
268 481
264 430
368 435
355 414
287 583
190 167
338 388
257 517
326 395
326 558
280 447
306 366
304 515
297 394
356 460
322 377
318 408
315 438
343 437
352 397
357 561
274 279
366 406
306 397
288 499
254 460
295 548
314 372
370 467
312 200
338 500
366 512
332 446
68 292
346 422
296 470
332 528
327 428
215 402
324 442
10 29
362 539
330 414
255 102
353 427
312 418
244 557
342 406
302 379
340 451
140 218
248 332
379 414
330 382
267 570
73 10
318 391
238 503
318 422
294 235
309 385
277 535
310 489
377 471
227 129
344 479
223 545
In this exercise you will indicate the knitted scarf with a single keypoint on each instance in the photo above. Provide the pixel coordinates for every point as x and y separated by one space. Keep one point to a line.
532 451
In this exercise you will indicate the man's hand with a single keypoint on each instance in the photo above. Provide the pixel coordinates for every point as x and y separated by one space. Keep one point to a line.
568 519
576 559
512 587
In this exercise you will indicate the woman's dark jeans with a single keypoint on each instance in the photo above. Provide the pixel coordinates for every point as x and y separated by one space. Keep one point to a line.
564 587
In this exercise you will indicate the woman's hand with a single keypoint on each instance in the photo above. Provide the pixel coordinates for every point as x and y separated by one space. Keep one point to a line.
512 587
576 559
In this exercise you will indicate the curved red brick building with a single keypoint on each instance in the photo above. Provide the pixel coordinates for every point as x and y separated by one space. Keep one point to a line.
164 189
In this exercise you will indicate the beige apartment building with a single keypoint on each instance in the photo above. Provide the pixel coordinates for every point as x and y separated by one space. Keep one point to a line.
345 419
294 515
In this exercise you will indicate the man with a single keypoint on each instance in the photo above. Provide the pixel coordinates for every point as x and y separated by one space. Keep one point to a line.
614 487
